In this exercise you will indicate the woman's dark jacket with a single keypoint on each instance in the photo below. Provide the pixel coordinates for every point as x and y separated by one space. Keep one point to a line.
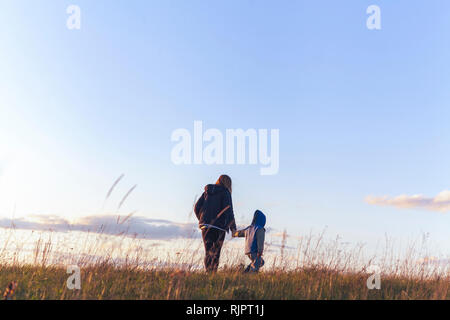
211 203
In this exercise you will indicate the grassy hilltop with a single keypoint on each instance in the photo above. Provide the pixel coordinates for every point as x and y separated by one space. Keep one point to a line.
109 282
121 268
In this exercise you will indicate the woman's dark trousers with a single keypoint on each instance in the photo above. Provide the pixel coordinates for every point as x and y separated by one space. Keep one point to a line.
213 240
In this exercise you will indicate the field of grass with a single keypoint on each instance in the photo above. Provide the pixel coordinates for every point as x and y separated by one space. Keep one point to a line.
109 282
316 269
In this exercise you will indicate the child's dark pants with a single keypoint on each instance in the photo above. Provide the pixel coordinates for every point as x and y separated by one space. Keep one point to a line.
213 240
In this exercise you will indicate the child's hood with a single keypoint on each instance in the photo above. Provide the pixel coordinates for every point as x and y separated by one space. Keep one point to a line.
259 219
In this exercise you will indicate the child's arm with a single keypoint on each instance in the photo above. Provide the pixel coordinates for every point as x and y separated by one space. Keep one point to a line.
260 237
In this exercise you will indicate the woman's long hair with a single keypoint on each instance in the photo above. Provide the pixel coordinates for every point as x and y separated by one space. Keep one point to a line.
225 181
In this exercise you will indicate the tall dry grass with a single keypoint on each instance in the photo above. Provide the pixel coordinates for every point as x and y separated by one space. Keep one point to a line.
33 265
123 267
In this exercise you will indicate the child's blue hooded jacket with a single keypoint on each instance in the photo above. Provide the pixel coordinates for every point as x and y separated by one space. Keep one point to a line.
254 234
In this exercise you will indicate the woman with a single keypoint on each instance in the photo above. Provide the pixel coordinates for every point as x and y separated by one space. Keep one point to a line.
214 211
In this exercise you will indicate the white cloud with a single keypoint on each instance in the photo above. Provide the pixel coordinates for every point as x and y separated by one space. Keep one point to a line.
440 203
434 261
139 227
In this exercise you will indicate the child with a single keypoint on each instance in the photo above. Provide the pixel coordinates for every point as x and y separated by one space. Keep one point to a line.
254 241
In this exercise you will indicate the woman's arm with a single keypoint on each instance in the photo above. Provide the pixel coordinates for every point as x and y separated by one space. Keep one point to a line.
199 205
229 212
239 233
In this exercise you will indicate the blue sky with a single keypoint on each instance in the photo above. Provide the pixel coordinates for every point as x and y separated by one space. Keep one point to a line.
360 112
